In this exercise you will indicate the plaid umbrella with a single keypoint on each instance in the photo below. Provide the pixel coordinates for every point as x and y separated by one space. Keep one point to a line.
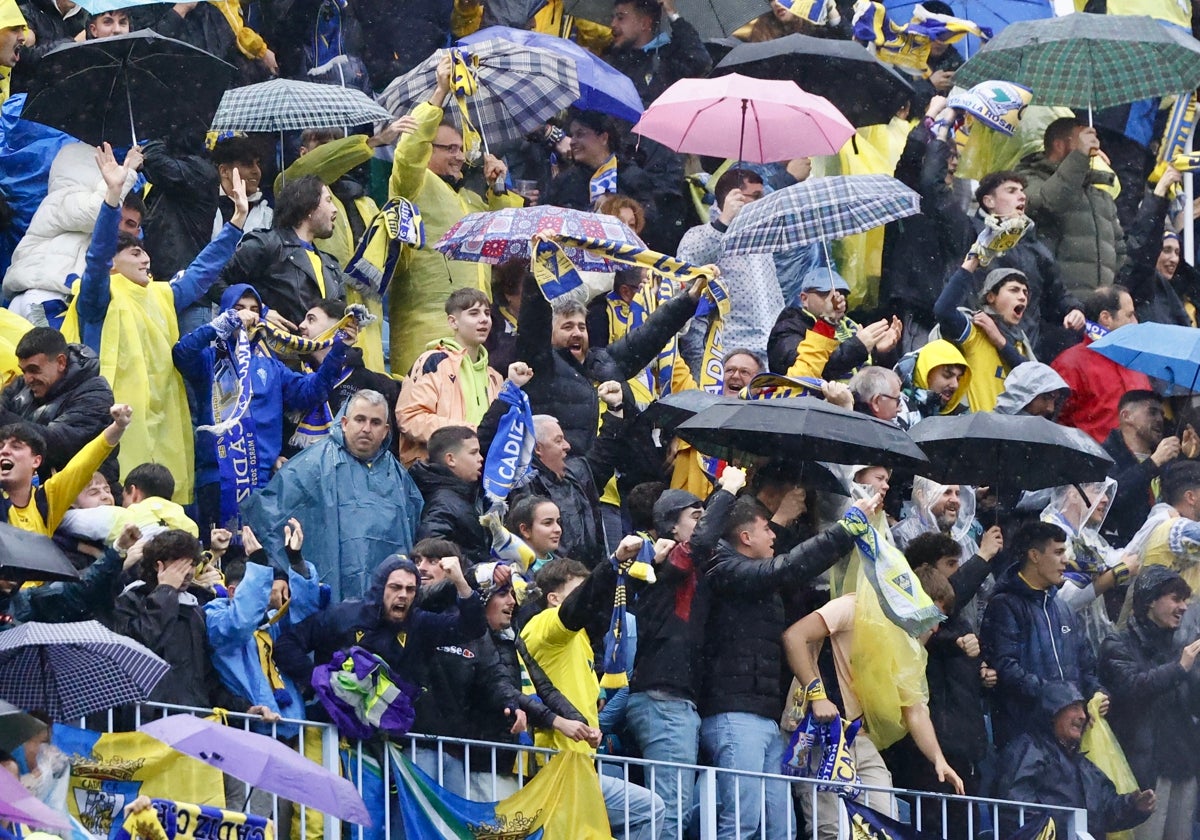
519 88
818 210
287 105
71 670
1089 61
497 236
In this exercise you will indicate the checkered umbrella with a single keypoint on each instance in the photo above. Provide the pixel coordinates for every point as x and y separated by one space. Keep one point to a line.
287 105
519 88
819 210
71 670
1089 61
500 235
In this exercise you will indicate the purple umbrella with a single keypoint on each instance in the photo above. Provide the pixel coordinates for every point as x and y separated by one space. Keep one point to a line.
263 763
20 806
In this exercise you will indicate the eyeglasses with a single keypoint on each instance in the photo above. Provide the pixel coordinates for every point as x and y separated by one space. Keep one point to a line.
452 148
890 397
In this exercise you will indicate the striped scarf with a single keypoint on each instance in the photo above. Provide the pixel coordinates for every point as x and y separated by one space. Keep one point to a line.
398 223
464 84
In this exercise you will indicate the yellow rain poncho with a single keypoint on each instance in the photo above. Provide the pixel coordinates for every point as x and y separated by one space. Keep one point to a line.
424 279
140 330
12 327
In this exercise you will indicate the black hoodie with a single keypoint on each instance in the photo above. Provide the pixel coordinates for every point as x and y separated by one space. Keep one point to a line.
452 510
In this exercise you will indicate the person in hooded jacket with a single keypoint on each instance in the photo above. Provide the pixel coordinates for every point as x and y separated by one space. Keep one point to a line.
357 505
205 353
934 381
1033 389
1030 637
1155 699
63 392
1044 765
449 481
1154 293
386 622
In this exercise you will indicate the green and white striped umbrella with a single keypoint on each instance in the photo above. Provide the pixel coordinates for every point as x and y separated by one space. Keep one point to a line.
1089 61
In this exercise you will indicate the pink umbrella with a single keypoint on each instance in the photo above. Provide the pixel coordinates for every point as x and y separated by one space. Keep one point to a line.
778 120
20 806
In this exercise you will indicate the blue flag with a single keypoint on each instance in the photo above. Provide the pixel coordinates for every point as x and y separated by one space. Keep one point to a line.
510 457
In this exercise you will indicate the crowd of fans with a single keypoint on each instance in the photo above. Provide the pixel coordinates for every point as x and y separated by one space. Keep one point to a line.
346 507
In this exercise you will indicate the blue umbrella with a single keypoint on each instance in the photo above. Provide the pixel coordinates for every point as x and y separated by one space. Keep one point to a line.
1161 351
601 87
994 14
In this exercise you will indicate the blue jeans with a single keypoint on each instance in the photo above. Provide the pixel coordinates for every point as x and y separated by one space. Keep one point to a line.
743 741
644 806
667 729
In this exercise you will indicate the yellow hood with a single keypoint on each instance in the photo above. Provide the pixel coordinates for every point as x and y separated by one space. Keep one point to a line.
10 15
942 352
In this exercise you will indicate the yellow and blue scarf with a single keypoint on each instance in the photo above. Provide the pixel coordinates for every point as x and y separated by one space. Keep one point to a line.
398 223
906 45
604 180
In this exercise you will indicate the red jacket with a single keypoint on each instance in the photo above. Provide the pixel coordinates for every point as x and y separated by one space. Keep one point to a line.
1097 384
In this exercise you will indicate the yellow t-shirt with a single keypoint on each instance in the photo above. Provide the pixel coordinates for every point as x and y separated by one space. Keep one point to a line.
988 371
566 657
60 490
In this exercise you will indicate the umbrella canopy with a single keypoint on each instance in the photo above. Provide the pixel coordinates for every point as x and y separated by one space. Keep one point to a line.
1164 351
498 236
25 555
990 14
1089 61
711 18
818 210
99 7
17 726
669 411
519 88
800 428
287 105
1017 450
262 763
71 670
738 117
864 89
127 87
20 806
601 87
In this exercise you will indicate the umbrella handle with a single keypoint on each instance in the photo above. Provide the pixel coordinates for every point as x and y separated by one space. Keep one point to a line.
129 104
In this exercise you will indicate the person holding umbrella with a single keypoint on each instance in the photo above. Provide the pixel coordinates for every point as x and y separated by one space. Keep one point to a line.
428 170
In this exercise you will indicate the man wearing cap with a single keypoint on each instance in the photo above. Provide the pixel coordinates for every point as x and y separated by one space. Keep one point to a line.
12 38
661 714
1152 675
991 340
817 339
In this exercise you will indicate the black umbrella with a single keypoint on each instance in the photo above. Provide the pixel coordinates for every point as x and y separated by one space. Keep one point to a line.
668 412
17 726
1018 451
25 555
801 428
864 89
127 87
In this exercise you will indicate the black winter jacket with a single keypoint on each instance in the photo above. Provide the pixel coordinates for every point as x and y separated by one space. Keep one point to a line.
277 265
565 387
71 414
1155 297
743 649
452 510
672 613
179 209
52 30
1155 702
655 70
1134 497
361 622
154 616
1034 642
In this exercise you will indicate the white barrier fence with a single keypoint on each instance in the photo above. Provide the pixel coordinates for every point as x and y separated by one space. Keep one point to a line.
480 770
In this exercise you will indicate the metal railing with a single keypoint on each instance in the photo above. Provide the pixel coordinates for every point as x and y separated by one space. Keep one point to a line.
456 764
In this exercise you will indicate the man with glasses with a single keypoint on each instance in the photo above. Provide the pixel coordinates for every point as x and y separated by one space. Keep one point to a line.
876 392
428 170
